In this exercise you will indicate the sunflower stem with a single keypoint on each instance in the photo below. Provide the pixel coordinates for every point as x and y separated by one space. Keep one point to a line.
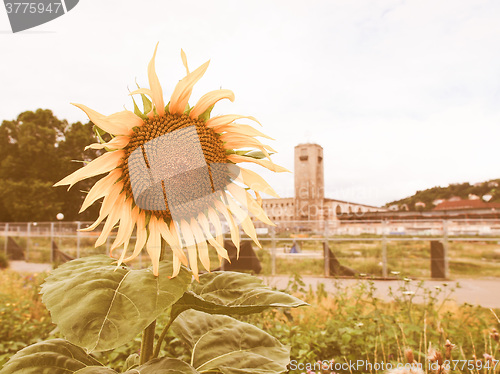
148 337
162 337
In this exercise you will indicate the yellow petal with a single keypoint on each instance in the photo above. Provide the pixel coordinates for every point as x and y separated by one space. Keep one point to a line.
256 209
188 237
118 142
216 122
209 99
214 218
184 61
100 189
245 141
154 84
113 218
233 228
182 92
120 123
266 163
176 266
107 205
144 91
249 228
256 182
153 245
203 221
245 199
238 128
172 241
127 223
141 237
102 164
201 244
122 256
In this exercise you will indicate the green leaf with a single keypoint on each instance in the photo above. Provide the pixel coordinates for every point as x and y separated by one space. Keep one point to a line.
99 306
231 346
226 292
56 356
164 366
96 370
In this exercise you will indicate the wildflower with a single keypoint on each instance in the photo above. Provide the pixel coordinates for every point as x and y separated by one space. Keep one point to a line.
448 348
488 357
171 173
494 335
409 355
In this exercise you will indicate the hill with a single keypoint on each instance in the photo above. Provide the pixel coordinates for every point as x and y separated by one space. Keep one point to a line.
461 190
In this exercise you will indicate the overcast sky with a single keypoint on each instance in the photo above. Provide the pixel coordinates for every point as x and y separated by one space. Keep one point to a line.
402 95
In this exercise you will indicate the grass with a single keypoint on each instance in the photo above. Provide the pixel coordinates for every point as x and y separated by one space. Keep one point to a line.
349 323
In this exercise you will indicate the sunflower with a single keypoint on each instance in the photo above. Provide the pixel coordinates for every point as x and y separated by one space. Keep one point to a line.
172 174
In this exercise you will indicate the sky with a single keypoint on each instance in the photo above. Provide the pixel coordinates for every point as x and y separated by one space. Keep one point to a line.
402 95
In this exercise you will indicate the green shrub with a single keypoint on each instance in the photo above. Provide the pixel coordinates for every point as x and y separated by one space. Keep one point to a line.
4 262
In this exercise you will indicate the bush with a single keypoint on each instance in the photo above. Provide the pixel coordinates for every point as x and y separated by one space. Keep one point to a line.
4 262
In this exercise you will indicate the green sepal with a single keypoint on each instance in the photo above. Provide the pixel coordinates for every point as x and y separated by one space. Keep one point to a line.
253 154
146 103
99 133
205 116
137 111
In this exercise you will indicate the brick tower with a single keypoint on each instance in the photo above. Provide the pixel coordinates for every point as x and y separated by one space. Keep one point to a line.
309 182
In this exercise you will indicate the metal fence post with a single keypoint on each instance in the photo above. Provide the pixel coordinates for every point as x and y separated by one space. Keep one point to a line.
445 247
326 252
273 251
6 228
52 242
28 241
78 225
384 248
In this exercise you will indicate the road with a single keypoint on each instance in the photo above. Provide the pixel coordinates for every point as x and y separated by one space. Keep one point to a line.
484 292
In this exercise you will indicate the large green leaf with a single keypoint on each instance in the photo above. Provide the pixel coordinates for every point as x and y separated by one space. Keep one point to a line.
164 366
99 306
226 292
156 366
96 370
55 356
226 344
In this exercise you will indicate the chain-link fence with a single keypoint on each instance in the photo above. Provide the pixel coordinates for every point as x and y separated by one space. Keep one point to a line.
417 248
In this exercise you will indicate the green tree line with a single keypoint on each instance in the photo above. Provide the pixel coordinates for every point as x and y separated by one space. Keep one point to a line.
36 150
462 190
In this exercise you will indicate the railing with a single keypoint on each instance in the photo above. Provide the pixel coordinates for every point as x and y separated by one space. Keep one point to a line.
374 247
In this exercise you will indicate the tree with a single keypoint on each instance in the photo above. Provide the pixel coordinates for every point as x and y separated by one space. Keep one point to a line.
37 150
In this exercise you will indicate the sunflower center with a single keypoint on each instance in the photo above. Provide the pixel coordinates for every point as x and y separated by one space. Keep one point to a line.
171 164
